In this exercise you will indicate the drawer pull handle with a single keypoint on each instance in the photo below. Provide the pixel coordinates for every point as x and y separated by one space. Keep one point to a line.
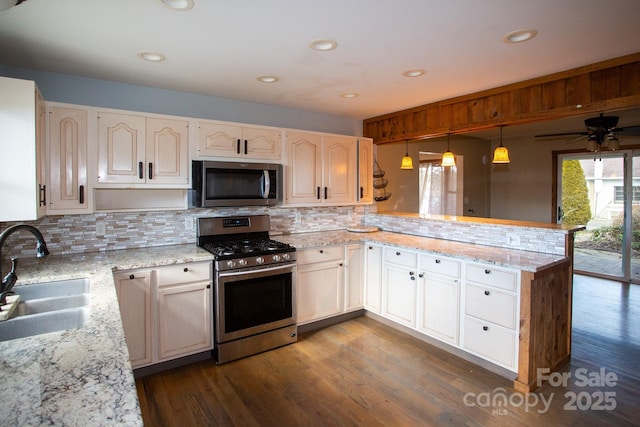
485 328
370 247
438 261
421 275
131 277
208 286
398 253
487 271
411 273
487 293
186 269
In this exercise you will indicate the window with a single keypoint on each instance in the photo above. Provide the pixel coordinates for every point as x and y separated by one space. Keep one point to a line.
619 194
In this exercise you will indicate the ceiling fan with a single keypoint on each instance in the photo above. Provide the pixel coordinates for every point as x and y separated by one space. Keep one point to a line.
8 4
601 131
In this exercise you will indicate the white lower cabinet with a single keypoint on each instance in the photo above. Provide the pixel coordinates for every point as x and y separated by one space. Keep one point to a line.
399 286
354 274
491 313
166 311
320 283
373 278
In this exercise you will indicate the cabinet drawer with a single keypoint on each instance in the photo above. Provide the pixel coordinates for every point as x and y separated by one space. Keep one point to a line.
491 305
401 257
326 253
490 341
492 276
184 273
440 265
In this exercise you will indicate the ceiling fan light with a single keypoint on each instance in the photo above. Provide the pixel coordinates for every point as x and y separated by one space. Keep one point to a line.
613 143
592 144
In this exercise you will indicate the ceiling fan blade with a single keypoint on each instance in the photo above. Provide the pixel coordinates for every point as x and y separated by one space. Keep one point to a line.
577 138
559 135
630 131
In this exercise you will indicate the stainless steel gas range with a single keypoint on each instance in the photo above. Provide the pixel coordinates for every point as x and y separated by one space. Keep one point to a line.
255 289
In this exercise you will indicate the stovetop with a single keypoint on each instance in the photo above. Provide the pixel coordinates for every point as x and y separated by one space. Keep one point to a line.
230 249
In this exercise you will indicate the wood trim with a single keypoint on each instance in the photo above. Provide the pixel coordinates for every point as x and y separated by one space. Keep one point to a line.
600 87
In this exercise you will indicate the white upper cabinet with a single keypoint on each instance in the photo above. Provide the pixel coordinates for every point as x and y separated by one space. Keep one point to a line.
68 191
235 141
139 150
23 144
321 169
365 170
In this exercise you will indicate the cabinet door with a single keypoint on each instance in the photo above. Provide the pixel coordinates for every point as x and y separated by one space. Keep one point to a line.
353 298
67 160
319 291
262 143
365 170
121 141
373 281
41 154
304 168
21 143
339 169
219 140
399 294
184 319
439 307
167 151
134 299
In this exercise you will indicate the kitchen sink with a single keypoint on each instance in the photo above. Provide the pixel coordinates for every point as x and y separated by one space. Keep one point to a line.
48 307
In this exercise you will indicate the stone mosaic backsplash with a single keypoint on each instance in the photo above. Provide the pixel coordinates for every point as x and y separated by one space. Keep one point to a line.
535 239
66 234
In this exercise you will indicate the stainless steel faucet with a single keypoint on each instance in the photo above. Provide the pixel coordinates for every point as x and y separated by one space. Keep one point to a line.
10 279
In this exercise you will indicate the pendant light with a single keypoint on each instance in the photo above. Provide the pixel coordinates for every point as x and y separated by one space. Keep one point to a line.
407 162
447 157
501 154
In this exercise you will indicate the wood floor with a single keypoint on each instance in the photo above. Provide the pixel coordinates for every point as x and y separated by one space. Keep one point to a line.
363 373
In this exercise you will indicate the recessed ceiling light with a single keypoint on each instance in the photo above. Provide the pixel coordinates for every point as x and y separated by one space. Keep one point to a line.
323 44
415 72
349 95
178 4
267 79
519 36
151 56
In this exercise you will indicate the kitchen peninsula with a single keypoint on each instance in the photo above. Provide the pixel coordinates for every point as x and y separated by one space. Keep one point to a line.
84 375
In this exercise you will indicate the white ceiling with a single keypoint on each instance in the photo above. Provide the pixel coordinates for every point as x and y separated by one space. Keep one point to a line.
219 47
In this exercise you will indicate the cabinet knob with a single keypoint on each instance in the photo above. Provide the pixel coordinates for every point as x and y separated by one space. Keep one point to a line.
186 269
341 264
321 251
131 276
411 273
487 293
370 247
487 271
398 253
485 328
437 261
208 286
421 275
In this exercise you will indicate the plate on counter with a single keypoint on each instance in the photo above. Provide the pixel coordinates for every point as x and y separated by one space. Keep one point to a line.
363 229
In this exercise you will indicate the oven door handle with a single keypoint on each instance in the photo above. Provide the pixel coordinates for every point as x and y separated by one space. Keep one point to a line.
263 270
267 184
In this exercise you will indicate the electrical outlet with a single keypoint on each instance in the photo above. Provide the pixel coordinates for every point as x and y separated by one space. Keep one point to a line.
513 239
101 228
188 223
423 229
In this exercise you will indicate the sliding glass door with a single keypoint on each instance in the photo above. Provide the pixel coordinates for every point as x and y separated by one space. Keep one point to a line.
602 191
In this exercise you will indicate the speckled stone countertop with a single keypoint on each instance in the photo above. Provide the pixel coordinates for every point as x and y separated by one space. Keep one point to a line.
521 260
79 377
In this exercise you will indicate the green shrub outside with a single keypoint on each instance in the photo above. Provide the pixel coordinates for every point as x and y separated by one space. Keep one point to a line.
575 194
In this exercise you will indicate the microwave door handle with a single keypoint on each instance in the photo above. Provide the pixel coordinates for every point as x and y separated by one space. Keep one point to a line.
267 184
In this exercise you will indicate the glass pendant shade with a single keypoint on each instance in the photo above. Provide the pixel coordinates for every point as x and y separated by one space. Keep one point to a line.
448 159
407 162
501 154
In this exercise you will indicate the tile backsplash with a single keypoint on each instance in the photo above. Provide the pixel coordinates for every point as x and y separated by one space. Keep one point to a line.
67 234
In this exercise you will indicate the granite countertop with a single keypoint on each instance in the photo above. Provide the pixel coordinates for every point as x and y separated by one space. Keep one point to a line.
84 377
79 376
521 260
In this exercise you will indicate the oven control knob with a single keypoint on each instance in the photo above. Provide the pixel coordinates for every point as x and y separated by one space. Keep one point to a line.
276 258
242 262
231 264
259 260
286 257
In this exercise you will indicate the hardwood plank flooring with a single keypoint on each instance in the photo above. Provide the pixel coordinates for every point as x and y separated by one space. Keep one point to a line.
364 373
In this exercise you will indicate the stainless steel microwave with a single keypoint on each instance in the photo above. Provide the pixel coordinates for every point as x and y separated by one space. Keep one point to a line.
235 184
